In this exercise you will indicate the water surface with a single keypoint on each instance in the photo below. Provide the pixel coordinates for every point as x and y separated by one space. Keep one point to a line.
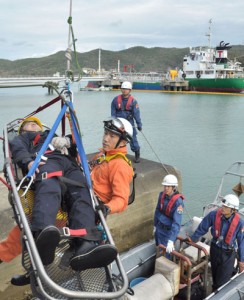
201 135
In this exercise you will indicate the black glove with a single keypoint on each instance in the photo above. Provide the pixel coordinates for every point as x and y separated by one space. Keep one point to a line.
104 208
139 128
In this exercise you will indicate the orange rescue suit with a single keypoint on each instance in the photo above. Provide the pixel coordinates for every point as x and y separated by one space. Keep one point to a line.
111 180
11 247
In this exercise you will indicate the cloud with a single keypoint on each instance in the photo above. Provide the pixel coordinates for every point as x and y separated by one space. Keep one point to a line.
34 27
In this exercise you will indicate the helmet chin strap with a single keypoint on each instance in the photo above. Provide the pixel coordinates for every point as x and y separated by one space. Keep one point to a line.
120 139
117 145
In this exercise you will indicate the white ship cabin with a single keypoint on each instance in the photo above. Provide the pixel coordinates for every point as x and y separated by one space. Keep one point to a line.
209 63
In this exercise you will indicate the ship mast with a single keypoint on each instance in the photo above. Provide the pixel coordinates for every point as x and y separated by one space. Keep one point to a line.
209 32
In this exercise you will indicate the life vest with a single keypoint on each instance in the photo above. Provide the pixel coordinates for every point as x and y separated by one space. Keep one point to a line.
128 104
170 204
103 157
232 227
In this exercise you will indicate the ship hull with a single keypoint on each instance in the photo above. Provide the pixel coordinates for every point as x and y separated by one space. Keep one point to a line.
151 86
221 85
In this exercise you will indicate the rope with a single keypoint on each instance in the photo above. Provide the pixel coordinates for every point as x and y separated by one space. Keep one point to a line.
68 53
6 184
155 153
189 216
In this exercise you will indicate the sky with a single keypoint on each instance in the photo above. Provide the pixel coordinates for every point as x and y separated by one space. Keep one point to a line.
37 28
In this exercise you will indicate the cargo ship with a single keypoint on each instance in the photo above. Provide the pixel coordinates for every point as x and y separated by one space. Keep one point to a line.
209 70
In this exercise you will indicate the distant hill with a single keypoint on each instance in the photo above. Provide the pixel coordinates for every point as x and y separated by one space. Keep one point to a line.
143 59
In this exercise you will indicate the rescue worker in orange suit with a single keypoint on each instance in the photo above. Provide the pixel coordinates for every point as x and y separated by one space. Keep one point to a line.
168 214
81 214
113 189
227 230
125 106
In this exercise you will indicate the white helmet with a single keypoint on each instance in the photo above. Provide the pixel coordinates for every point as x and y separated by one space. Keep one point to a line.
120 126
170 180
126 85
231 201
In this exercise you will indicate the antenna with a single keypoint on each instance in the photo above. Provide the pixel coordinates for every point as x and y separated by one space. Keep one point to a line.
209 32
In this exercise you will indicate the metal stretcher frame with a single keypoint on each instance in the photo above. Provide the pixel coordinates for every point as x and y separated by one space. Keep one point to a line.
41 275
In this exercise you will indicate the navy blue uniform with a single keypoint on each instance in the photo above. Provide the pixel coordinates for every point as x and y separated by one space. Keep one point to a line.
48 191
132 115
167 227
222 255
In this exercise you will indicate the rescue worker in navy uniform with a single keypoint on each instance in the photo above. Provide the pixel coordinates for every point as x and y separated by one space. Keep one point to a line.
87 254
168 214
227 230
125 106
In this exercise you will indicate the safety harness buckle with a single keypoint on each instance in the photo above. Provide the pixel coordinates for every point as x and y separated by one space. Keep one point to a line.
66 231
44 176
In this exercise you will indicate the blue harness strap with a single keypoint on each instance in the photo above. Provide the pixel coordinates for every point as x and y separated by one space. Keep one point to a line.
47 142
80 147
77 137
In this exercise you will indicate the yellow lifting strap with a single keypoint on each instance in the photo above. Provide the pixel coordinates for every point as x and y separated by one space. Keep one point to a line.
108 158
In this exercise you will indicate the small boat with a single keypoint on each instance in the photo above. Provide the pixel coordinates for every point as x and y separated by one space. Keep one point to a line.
96 86
171 81
147 81
98 89
233 289
149 273
209 69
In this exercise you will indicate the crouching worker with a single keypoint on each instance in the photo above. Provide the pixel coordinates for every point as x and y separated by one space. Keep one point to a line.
168 214
111 171
87 253
228 238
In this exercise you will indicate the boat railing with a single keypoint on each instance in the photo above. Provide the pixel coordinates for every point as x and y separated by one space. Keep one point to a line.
189 269
231 182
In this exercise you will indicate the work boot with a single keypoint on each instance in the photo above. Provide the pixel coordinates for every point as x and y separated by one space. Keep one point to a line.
68 254
46 243
137 156
21 280
89 255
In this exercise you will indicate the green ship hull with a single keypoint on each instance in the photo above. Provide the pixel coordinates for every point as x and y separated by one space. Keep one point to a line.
223 85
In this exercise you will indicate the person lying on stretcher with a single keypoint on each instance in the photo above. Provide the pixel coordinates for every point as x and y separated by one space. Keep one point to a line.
113 189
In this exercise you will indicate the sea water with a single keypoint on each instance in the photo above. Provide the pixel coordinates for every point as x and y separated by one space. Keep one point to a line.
199 134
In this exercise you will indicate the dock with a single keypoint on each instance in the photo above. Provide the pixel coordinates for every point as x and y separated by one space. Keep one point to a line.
175 85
